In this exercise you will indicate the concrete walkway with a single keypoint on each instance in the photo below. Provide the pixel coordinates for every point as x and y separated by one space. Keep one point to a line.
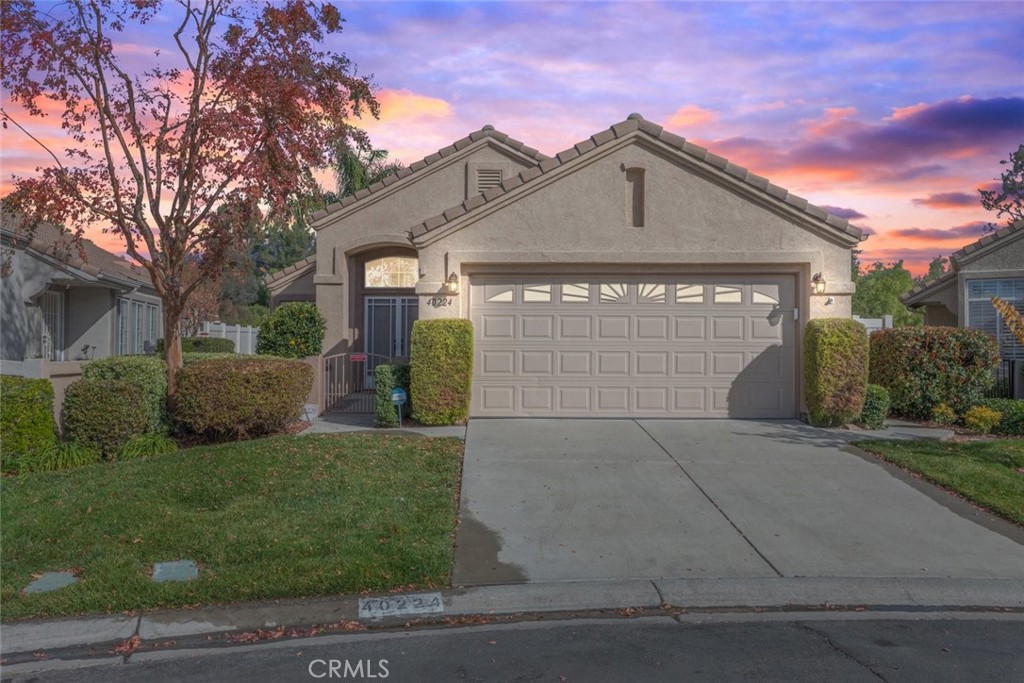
564 500
342 423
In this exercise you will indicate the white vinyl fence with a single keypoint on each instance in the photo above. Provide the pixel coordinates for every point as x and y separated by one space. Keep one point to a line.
244 336
875 323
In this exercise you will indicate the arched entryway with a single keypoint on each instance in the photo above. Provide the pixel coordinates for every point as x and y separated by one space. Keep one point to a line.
384 303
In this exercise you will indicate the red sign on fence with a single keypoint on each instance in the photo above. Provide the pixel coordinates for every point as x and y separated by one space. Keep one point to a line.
358 357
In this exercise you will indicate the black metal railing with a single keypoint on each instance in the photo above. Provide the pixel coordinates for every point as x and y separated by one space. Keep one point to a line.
1004 385
348 382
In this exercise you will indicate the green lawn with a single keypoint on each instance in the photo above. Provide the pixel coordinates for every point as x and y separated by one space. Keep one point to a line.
986 472
287 516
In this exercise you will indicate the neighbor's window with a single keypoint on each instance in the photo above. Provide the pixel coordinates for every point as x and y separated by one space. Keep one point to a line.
981 314
391 271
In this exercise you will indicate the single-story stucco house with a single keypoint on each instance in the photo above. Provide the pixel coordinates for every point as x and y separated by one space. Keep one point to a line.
634 274
62 304
991 266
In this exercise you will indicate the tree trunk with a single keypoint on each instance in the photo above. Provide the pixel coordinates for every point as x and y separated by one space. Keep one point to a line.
172 349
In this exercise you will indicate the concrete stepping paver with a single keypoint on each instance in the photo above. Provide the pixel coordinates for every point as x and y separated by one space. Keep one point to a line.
51 581
179 570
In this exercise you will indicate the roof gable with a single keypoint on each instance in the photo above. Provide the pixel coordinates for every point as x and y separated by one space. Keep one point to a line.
636 126
486 135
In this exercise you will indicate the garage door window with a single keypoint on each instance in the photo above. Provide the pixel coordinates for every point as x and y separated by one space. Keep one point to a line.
689 294
575 293
652 293
765 294
499 294
536 294
615 293
728 294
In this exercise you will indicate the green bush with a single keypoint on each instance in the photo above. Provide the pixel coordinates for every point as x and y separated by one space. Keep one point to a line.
943 414
104 413
59 456
441 370
836 370
200 345
146 445
1012 411
925 366
386 377
26 418
981 419
876 407
293 330
192 356
241 397
149 372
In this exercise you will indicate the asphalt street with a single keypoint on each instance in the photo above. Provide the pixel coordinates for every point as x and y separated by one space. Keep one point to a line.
716 648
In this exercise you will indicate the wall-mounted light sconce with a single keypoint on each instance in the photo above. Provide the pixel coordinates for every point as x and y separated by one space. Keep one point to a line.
451 285
818 283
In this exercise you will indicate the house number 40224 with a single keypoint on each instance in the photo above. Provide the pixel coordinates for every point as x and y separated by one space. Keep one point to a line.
439 301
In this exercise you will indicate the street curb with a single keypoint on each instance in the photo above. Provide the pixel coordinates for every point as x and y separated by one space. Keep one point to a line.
756 594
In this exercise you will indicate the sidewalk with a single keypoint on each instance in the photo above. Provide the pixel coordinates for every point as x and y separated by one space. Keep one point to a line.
340 423
789 594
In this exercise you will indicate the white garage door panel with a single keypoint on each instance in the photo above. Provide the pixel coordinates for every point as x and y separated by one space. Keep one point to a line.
634 346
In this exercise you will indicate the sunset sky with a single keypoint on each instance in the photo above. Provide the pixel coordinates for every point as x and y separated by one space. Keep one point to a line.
892 114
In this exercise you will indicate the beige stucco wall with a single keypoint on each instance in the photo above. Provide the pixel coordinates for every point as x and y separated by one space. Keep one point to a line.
695 222
384 219
300 288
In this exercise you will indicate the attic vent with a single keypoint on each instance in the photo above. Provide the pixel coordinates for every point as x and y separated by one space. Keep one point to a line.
486 178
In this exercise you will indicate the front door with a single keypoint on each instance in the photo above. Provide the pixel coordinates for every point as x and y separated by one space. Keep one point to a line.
389 322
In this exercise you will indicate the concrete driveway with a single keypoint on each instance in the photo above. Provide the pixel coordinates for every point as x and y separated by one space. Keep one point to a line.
563 500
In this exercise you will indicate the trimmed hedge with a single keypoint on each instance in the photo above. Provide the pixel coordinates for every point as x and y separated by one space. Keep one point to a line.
441 370
200 345
26 418
193 357
237 398
105 413
149 372
925 366
386 377
835 369
293 330
876 407
1012 410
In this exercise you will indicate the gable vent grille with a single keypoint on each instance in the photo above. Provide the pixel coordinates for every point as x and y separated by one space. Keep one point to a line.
487 178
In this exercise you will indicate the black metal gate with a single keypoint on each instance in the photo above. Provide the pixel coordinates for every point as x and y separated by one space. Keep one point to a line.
348 382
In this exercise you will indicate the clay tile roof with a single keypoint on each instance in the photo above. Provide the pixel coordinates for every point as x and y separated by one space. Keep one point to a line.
988 239
288 270
634 123
920 292
486 132
84 255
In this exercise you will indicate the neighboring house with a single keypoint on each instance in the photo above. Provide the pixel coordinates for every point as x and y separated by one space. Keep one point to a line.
634 274
62 304
992 266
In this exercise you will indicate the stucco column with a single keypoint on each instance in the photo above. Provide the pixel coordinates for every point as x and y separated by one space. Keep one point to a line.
331 294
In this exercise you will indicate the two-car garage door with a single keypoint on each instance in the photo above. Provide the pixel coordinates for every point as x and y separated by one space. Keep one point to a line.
587 346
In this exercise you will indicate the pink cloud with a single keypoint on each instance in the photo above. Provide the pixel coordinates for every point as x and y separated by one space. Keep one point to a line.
690 116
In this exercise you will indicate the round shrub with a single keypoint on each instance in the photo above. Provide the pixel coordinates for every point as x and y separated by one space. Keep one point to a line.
104 413
876 407
943 414
925 366
149 372
293 330
836 370
26 418
237 398
981 419
1012 411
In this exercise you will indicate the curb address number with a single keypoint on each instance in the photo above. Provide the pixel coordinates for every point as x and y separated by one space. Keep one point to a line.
398 605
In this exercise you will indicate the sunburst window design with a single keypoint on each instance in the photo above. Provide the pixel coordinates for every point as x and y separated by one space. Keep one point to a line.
536 294
391 272
689 294
575 293
613 293
728 294
652 293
